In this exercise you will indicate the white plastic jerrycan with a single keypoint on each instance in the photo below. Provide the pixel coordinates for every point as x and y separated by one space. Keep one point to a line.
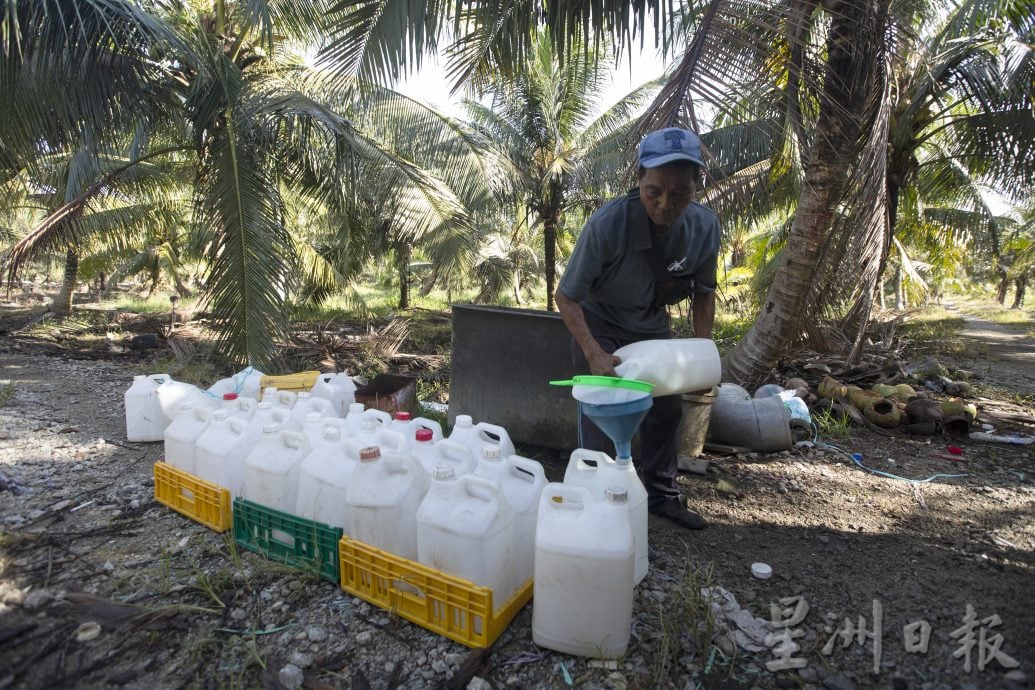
312 426
172 393
269 394
476 435
221 450
285 399
271 471
239 406
429 454
597 471
521 480
246 383
370 423
340 389
182 434
681 365
307 402
267 413
465 528
382 499
583 592
407 424
325 476
144 419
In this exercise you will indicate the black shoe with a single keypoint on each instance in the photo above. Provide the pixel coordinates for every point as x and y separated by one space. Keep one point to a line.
680 514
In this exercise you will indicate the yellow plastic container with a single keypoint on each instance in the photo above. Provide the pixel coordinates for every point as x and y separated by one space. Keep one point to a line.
452 607
301 381
196 498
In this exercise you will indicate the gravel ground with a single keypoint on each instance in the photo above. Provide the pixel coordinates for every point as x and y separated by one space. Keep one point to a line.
100 586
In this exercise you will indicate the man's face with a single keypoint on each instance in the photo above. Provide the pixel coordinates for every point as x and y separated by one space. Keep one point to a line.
666 191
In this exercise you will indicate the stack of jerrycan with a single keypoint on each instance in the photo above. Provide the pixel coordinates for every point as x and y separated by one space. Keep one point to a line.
326 474
153 401
221 450
584 564
307 403
597 471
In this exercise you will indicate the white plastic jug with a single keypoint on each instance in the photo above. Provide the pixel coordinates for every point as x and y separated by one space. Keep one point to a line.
430 454
285 399
522 481
370 423
340 389
382 499
476 435
583 592
182 434
271 471
221 450
171 394
681 365
239 406
465 528
312 425
269 394
325 476
267 413
597 471
144 419
307 403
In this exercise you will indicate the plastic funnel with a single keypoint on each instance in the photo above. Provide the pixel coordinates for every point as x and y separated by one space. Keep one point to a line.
605 390
619 421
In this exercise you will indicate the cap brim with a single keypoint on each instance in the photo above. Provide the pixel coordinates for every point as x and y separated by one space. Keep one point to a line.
668 158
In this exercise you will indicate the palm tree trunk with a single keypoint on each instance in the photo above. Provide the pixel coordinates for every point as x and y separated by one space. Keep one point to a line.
1004 286
900 294
403 252
853 44
1018 297
62 303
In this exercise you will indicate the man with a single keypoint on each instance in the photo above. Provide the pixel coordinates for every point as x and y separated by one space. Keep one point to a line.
651 247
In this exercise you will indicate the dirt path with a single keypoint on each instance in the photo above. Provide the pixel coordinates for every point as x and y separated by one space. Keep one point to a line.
176 605
1011 355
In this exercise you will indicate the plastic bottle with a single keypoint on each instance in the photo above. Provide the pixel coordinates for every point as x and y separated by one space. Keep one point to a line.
271 471
477 435
370 422
182 434
674 366
312 426
325 475
408 425
269 394
383 497
221 450
465 528
340 389
522 481
285 399
306 403
247 383
584 562
144 419
239 406
597 471
171 394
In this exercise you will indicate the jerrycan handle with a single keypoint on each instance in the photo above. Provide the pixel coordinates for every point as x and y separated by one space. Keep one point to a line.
526 469
579 456
494 429
287 398
630 369
202 412
397 464
481 488
557 496
247 405
379 415
391 439
159 378
238 425
293 439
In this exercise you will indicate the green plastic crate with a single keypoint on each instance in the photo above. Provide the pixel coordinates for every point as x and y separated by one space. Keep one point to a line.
294 541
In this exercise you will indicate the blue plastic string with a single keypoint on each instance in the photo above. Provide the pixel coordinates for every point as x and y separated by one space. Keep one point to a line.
857 459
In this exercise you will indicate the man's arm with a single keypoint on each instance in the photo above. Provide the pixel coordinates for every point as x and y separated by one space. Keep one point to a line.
600 362
703 310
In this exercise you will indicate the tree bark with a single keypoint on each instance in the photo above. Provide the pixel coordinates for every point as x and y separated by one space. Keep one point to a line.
1004 287
853 43
403 252
62 303
1018 296
549 214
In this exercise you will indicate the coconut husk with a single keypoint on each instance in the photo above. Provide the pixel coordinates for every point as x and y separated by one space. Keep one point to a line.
904 391
796 383
958 407
831 388
883 412
885 390
923 411
861 399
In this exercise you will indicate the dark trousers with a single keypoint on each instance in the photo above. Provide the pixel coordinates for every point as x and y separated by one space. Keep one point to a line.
658 434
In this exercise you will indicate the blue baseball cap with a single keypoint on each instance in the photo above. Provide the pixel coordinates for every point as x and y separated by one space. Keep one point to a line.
670 144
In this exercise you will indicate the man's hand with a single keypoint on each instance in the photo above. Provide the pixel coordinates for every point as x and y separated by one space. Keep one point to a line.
603 364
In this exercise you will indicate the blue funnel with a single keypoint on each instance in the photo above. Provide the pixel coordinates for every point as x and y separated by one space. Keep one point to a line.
619 421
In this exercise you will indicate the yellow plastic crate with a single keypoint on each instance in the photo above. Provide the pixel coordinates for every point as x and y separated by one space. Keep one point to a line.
196 498
301 381
448 605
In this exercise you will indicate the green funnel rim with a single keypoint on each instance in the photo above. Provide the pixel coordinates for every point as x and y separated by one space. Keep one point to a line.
607 382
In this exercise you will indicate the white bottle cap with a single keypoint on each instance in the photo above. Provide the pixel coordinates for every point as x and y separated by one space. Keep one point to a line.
464 421
302 395
355 408
184 406
312 417
369 425
221 415
443 472
763 571
369 454
139 377
616 495
490 452
270 428
265 405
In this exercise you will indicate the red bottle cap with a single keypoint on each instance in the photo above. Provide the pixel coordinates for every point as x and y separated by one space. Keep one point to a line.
424 435
229 396
403 416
